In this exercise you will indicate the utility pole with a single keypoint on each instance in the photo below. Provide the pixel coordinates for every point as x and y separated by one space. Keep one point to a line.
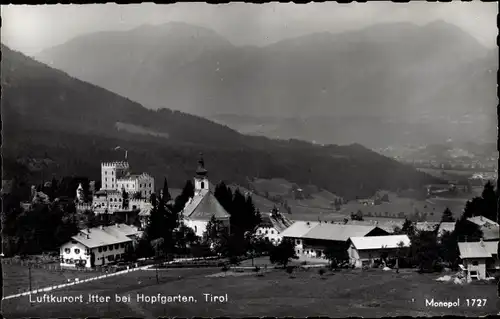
29 276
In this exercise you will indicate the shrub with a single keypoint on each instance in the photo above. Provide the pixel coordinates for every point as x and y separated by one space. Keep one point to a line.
321 271
303 263
289 269
225 268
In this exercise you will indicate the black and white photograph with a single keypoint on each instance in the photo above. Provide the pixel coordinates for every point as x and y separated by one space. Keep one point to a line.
250 160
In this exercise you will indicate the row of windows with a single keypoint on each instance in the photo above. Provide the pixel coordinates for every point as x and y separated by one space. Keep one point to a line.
113 257
110 247
145 185
260 231
76 250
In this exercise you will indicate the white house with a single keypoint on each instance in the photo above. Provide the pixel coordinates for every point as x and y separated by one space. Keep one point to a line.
98 246
203 205
272 225
311 238
363 251
478 258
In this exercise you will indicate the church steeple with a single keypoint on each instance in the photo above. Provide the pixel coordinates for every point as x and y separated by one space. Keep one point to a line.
200 180
201 171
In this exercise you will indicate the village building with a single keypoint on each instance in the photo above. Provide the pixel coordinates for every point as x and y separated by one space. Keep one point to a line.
116 179
480 259
203 205
490 228
98 246
272 226
363 251
311 238
115 176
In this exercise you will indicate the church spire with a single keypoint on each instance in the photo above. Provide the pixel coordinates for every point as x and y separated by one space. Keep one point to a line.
201 171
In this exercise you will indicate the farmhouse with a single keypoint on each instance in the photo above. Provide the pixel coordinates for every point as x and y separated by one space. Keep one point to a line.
311 238
363 251
479 258
272 225
203 205
490 229
98 246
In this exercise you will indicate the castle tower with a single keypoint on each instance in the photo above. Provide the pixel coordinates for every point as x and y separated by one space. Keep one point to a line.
112 171
201 180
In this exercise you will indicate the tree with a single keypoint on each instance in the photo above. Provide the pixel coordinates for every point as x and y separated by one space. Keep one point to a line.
124 199
282 253
489 203
448 249
336 254
408 228
425 250
213 235
166 193
447 216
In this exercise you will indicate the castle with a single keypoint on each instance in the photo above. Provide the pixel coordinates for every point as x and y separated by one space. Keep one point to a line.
116 178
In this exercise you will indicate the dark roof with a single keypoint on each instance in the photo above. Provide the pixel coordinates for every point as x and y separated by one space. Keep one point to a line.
203 207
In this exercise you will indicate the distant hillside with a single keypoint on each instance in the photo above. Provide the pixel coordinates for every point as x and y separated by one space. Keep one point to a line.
395 76
49 115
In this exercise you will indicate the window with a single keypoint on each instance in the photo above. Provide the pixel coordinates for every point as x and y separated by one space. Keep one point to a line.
105 248
149 184
77 251
117 256
117 246
202 185
105 172
272 231
122 245
67 261
67 250
99 249
110 247
111 258
195 229
297 241
106 179
475 263
267 231
88 251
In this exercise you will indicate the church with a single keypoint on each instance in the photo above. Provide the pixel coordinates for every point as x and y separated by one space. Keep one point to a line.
203 205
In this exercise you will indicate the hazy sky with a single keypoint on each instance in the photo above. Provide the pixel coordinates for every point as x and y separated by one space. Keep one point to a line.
31 29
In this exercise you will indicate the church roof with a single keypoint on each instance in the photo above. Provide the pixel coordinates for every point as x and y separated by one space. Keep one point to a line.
203 206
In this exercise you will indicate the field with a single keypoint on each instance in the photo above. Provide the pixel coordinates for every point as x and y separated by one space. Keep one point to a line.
16 278
447 174
372 293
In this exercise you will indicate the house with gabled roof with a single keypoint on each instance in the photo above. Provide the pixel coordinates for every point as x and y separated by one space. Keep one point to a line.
480 258
98 246
363 251
272 226
312 238
203 205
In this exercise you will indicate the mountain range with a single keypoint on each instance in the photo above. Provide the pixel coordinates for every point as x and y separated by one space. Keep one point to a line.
54 124
385 84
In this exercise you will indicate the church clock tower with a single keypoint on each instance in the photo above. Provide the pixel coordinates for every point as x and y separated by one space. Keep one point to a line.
201 180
